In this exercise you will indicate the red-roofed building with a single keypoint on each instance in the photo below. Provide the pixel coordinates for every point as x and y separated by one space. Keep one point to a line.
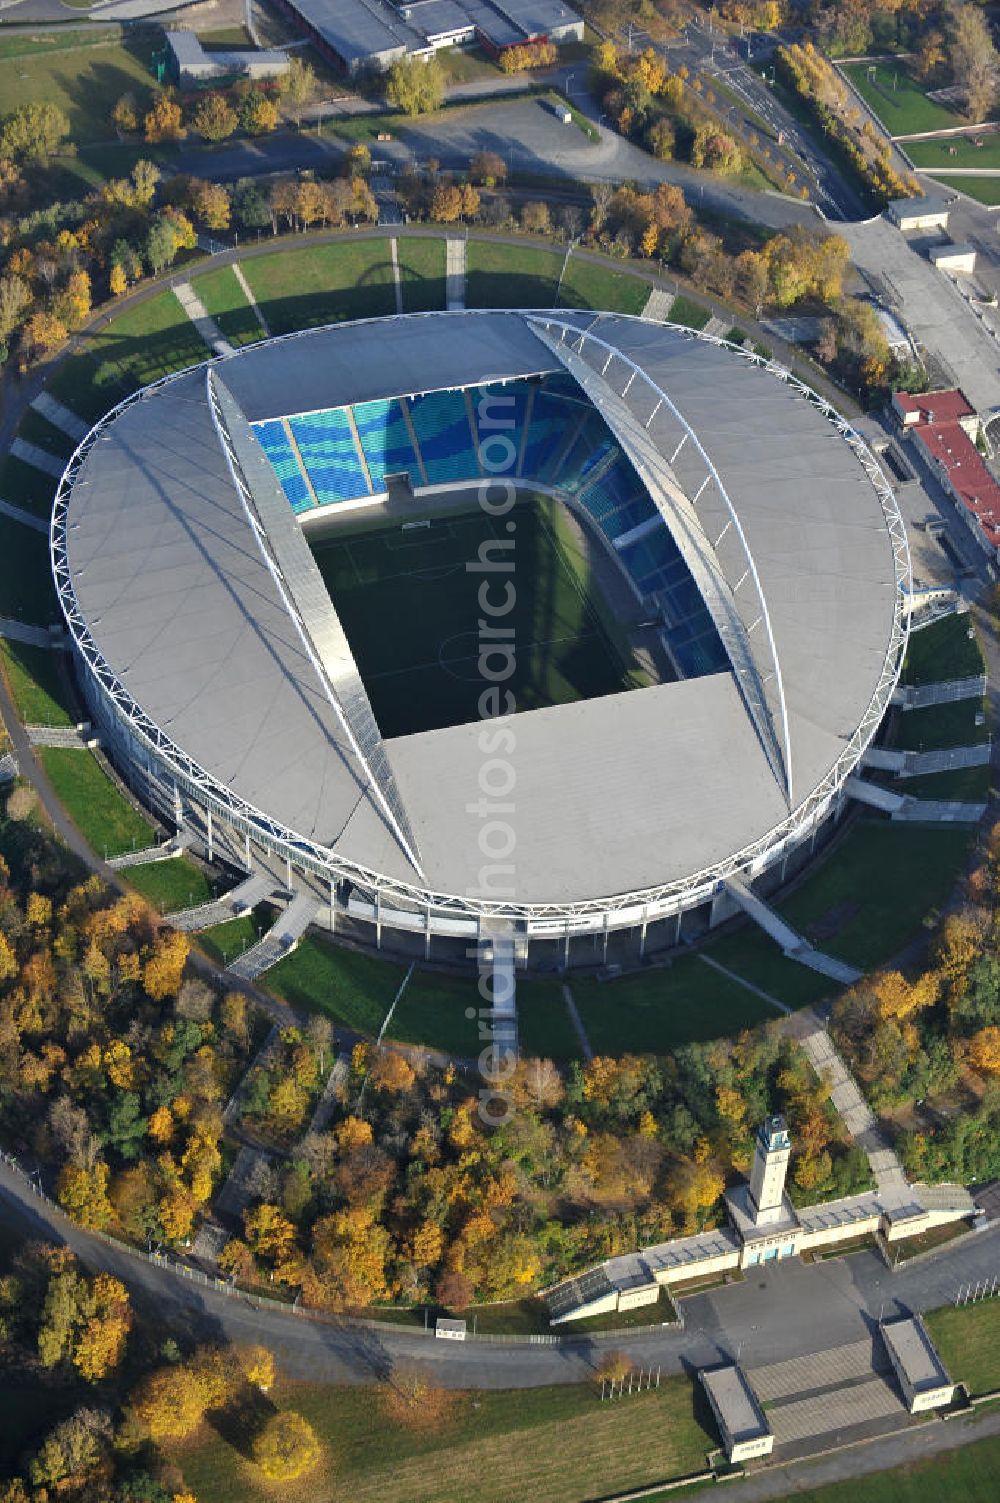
944 427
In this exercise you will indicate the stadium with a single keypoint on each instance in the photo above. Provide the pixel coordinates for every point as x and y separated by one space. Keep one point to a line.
556 624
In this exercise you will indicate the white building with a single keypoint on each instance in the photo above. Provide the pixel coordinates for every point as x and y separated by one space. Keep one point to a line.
919 1369
918 213
742 1423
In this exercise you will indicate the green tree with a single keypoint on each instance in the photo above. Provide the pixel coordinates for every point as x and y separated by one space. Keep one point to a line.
215 118
33 133
416 85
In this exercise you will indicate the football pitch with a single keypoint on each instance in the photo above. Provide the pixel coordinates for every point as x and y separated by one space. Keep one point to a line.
410 606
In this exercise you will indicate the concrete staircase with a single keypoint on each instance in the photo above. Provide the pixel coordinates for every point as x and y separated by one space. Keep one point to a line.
658 305
282 937
921 696
238 900
787 938
875 796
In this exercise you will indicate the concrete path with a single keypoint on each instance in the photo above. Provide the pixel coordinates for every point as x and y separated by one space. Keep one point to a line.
855 1113
747 985
918 764
788 939
875 795
39 459
248 294
202 320
26 518
577 1023
168 851
397 285
940 811
455 274
658 305
59 416
326 1105
56 735
238 900
32 636
287 929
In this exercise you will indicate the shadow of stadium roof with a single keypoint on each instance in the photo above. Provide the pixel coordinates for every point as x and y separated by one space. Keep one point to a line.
612 795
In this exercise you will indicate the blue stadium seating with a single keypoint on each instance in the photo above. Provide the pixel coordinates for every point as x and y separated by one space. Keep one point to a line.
509 407
274 441
441 423
386 441
328 451
655 563
549 417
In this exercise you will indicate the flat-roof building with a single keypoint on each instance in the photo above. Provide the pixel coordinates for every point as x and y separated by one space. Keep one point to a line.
928 213
361 33
919 1369
741 1420
189 64
945 426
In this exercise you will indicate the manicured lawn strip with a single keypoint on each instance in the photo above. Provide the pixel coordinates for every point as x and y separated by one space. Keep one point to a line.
421 274
226 302
83 81
899 102
657 1009
352 988
21 484
751 954
968 1341
967 1475
147 341
968 784
224 942
956 151
171 885
510 276
684 310
543 1026
550 1445
100 812
36 684
587 285
943 651
431 1012
26 589
37 430
322 284
950 724
873 892
985 190
53 40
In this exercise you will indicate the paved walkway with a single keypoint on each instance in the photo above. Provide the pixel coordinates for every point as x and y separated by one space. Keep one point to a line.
55 735
921 696
248 294
202 320
658 305
788 939
39 459
455 274
60 417
397 285
26 518
577 1023
748 986
33 636
940 811
287 929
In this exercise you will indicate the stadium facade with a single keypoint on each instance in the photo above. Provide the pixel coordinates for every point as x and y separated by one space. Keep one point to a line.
752 536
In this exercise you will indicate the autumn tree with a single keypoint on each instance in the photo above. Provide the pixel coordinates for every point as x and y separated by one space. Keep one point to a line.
211 205
297 86
286 1448
125 115
164 120
214 118
43 332
33 133
258 113
411 1400
535 217
416 85
170 1403
973 60
164 970
489 169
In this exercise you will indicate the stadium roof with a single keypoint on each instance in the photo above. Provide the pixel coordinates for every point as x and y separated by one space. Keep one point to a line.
183 608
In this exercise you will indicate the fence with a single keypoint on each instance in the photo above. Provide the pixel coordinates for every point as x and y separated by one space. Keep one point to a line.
32 1182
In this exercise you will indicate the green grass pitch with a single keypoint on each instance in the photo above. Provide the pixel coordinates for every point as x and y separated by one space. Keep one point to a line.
409 607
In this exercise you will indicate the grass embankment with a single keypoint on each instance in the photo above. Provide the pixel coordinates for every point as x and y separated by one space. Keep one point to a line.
968 1341
23 485
26 590
511 276
985 190
143 343
322 284
171 885
36 683
552 1445
421 273
101 813
226 302
946 650
353 989
684 310
223 942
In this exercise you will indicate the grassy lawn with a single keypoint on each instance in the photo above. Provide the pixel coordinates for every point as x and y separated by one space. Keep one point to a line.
22 485
653 1011
146 341
550 1445
751 954
968 1340
226 302
36 684
586 285
950 724
421 273
873 892
100 812
26 589
684 310
899 102
352 988
322 284
171 885
985 190
511 276
83 80
956 151
543 1026
432 1011
968 784
37 430
943 651
225 941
